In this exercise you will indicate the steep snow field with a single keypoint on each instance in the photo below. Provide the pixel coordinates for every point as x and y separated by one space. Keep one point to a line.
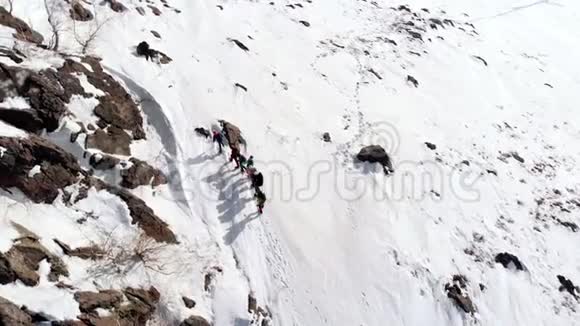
340 243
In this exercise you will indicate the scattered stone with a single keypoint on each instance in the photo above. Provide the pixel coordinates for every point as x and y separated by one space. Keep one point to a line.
376 154
105 299
326 137
116 6
11 315
220 7
12 55
140 10
195 321
155 10
240 45
431 146
188 302
412 80
80 13
156 34
141 174
489 171
549 85
305 23
507 260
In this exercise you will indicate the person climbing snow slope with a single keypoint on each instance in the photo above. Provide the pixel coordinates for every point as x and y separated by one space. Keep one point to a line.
218 138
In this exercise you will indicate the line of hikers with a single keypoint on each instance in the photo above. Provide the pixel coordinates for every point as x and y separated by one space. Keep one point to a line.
245 164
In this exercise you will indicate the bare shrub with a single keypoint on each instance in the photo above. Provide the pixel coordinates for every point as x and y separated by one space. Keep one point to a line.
86 40
56 23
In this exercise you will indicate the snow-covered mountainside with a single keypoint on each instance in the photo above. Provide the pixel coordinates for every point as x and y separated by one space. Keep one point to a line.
116 210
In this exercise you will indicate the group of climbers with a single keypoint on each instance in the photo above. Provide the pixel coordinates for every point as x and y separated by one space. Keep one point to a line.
234 139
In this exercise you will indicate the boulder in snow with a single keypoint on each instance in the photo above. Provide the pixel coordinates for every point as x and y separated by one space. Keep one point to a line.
507 260
376 154
189 303
23 31
105 299
114 141
80 13
141 174
195 321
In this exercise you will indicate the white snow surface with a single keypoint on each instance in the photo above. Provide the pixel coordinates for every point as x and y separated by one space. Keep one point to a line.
339 243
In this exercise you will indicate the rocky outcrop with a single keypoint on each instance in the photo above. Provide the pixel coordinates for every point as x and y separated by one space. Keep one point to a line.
23 31
11 315
116 107
456 291
58 168
568 285
376 154
105 299
25 119
80 13
44 93
195 321
114 140
90 252
22 261
141 174
141 214
507 260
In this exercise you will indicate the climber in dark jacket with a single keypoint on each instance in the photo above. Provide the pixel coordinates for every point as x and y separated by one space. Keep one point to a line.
218 138
260 200
242 159
257 181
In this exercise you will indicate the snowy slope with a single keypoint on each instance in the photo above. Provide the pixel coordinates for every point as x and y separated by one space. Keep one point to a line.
340 243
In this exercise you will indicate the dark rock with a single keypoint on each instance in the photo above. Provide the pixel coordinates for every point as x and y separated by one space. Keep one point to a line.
455 291
567 285
103 162
507 259
58 168
140 10
12 55
549 85
305 23
25 119
142 305
113 141
517 157
141 174
431 146
121 114
105 299
80 13
252 303
156 34
326 137
57 268
240 45
415 34
188 302
24 258
116 6
412 80
11 315
489 171
155 10
23 31
376 154
195 321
